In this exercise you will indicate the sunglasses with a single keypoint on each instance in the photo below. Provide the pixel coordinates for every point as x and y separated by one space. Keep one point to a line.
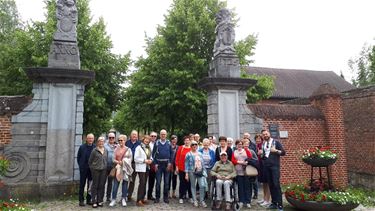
152 136
194 145
111 137
120 140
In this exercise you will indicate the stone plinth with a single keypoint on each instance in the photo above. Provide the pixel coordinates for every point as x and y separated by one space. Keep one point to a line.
227 111
46 135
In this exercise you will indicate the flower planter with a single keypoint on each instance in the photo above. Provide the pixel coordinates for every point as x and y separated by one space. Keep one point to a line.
319 162
317 206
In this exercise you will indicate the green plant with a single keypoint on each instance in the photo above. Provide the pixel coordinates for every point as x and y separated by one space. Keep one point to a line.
319 152
350 195
4 164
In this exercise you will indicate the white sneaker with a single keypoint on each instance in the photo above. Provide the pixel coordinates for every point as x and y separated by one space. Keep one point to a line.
123 202
113 203
265 204
196 204
204 204
240 205
191 201
248 205
181 201
260 201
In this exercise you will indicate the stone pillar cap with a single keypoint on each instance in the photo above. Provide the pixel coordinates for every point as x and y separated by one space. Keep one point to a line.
60 75
325 90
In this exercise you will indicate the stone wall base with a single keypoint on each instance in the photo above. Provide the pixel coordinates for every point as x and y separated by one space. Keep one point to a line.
40 192
362 180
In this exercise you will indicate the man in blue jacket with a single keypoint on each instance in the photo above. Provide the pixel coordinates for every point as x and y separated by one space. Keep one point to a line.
271 151
83 155
163 156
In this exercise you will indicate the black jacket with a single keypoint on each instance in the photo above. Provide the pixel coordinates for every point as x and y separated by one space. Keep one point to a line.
83 155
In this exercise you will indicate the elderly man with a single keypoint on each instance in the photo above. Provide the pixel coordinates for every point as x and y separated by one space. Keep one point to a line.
132 143
85 177
271 151
163 158
110 146
224 172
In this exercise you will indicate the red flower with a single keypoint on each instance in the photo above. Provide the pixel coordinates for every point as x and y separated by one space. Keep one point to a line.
324 197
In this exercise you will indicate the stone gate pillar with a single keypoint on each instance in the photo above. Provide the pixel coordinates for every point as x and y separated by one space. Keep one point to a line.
227 112
47 133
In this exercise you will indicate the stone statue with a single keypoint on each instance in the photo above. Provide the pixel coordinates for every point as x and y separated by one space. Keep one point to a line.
64 52
67 17
225 34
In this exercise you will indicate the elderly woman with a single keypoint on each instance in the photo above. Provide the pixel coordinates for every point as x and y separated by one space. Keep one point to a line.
224 172
98 167
195 171
208 159
239 159
223 148
143 160
123 159
180 169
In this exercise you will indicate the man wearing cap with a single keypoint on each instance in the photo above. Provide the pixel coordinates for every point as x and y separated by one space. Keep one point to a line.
224 172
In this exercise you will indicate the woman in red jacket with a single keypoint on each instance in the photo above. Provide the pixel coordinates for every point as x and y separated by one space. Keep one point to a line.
239 160
180 169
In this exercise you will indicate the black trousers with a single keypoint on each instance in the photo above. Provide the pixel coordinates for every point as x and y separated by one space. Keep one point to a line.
273 179
142 176
84 179
98 184
109 184
173 181
151 183
184 186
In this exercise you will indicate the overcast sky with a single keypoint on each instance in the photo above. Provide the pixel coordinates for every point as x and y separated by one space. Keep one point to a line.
295 34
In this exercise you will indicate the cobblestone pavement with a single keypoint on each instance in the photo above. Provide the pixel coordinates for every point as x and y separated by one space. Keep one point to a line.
173 205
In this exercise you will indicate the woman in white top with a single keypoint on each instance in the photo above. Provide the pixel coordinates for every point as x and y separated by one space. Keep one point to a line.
142 159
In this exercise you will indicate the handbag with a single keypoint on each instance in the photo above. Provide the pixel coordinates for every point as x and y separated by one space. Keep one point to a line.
198 173
112 173
251 171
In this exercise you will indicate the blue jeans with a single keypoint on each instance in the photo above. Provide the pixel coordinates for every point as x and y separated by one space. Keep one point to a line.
243 189
162 170
124 190
193 180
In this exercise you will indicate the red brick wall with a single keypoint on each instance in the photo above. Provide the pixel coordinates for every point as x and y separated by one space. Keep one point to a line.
5 127
331 107
302 134
359 118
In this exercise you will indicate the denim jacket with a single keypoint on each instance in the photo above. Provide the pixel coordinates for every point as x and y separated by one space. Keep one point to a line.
190 163
212 156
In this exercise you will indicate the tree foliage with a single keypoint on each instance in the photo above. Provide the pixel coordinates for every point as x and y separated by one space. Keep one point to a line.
364 67
164 90
30 47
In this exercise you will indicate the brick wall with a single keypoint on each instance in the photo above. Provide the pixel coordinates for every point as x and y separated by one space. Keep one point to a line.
10 105
359 119
5 126
302 134
318 124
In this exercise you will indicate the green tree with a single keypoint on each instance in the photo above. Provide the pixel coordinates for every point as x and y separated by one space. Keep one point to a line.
265 84
104 94
364 67
164 91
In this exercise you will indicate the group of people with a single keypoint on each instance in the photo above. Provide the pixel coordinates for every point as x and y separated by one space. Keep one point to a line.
196 163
